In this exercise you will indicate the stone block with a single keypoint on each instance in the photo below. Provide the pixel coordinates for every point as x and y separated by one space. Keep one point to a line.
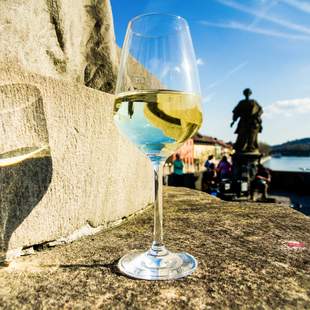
71 40
89 173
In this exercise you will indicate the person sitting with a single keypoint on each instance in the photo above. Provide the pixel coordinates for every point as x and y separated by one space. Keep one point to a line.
224 169
261 182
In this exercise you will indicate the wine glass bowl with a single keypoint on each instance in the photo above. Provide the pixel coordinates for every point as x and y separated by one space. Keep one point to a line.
158 121
157 107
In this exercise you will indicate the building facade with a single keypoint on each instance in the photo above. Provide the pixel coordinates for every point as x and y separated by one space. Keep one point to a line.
196 150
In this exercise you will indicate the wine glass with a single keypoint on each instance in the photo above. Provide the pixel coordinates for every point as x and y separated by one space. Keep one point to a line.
25 159
157 106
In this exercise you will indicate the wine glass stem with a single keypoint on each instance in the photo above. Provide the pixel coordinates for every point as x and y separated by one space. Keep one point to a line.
158 245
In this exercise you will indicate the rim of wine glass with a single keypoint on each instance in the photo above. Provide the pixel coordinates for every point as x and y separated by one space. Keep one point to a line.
178 17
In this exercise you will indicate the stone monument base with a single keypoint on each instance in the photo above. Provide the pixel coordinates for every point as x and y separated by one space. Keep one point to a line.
244 169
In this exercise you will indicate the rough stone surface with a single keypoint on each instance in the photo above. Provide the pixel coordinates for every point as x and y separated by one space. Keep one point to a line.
93 176
244 262
66 39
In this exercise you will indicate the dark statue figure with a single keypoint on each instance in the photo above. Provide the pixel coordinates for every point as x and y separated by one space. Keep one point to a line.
250 124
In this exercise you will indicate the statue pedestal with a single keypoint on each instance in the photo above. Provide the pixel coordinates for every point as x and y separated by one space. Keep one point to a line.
244 170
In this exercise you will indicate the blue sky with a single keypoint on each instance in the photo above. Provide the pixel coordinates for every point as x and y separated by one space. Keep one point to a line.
261 44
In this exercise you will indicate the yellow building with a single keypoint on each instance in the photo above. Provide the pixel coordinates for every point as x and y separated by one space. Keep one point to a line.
205 146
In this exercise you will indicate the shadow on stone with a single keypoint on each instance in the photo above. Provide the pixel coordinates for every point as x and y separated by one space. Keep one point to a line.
25 161
111 266
22 187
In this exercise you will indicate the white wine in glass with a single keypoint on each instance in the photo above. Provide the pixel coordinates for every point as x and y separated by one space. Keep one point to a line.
158 107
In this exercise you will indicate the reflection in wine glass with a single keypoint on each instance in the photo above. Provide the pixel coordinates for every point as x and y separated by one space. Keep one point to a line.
25 161
157 107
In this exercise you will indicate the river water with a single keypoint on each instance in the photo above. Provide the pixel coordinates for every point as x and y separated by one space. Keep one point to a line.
289 163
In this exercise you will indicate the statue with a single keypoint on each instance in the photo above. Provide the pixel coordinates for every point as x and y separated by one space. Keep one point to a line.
250 124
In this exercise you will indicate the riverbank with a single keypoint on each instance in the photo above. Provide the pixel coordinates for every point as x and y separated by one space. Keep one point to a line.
244 250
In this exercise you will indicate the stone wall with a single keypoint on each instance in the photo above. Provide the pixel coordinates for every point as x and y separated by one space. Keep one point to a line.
92 176
86 173
290 181
64 39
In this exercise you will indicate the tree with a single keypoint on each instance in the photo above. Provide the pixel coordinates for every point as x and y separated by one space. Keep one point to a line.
264 148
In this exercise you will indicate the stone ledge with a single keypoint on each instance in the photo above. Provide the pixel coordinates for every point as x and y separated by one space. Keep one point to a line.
244 261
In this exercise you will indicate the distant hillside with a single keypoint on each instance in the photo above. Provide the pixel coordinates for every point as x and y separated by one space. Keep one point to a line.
299 147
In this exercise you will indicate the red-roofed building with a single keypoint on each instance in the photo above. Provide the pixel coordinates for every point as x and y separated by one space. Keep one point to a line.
206 145
197 149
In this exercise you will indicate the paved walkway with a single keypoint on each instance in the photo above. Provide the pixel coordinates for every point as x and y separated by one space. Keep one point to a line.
245 261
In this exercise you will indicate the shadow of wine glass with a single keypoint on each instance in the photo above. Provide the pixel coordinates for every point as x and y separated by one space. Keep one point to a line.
112 267
25 161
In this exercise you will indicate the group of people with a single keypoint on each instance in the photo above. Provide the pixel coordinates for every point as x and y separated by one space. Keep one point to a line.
214 174
223 171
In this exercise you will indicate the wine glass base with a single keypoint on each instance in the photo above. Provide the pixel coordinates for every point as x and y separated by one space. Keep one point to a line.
145 265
